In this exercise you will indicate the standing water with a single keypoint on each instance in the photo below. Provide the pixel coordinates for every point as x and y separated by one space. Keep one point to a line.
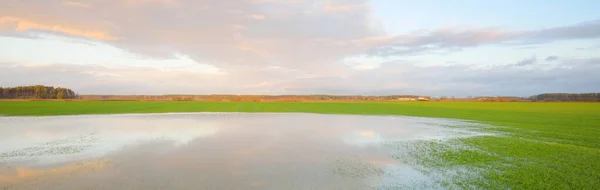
213 151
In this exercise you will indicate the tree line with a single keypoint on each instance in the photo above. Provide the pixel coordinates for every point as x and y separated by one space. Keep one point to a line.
36 92
580 97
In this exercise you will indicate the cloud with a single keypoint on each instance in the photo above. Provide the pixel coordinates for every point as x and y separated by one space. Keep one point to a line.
228 34
119 80
21 25
567 75
394 77
590 48
76 4
584 30
257 16
297 34
526 62
442 39
144 2
279 47
551 58
272 1
450 39
344 7
402 77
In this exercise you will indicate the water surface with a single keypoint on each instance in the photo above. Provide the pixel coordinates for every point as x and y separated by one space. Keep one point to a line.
213 151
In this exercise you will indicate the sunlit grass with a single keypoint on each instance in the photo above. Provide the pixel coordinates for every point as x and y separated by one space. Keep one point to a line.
542 146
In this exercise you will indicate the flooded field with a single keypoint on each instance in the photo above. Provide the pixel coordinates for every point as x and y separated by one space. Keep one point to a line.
217 151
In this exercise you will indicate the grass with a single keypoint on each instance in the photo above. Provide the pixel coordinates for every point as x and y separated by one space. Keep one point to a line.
545 146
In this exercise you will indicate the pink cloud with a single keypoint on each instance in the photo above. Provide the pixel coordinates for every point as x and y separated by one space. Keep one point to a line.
20 25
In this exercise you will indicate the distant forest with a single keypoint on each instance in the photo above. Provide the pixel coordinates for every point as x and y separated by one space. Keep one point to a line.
49 92
36 92
579 97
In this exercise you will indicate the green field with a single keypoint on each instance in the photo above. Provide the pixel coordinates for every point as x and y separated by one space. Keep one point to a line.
541 146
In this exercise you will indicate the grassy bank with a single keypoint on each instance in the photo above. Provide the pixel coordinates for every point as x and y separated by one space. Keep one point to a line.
546 146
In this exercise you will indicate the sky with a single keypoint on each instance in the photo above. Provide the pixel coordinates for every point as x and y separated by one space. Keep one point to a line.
338 47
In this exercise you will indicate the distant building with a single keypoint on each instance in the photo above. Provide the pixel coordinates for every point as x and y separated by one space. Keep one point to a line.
422 98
